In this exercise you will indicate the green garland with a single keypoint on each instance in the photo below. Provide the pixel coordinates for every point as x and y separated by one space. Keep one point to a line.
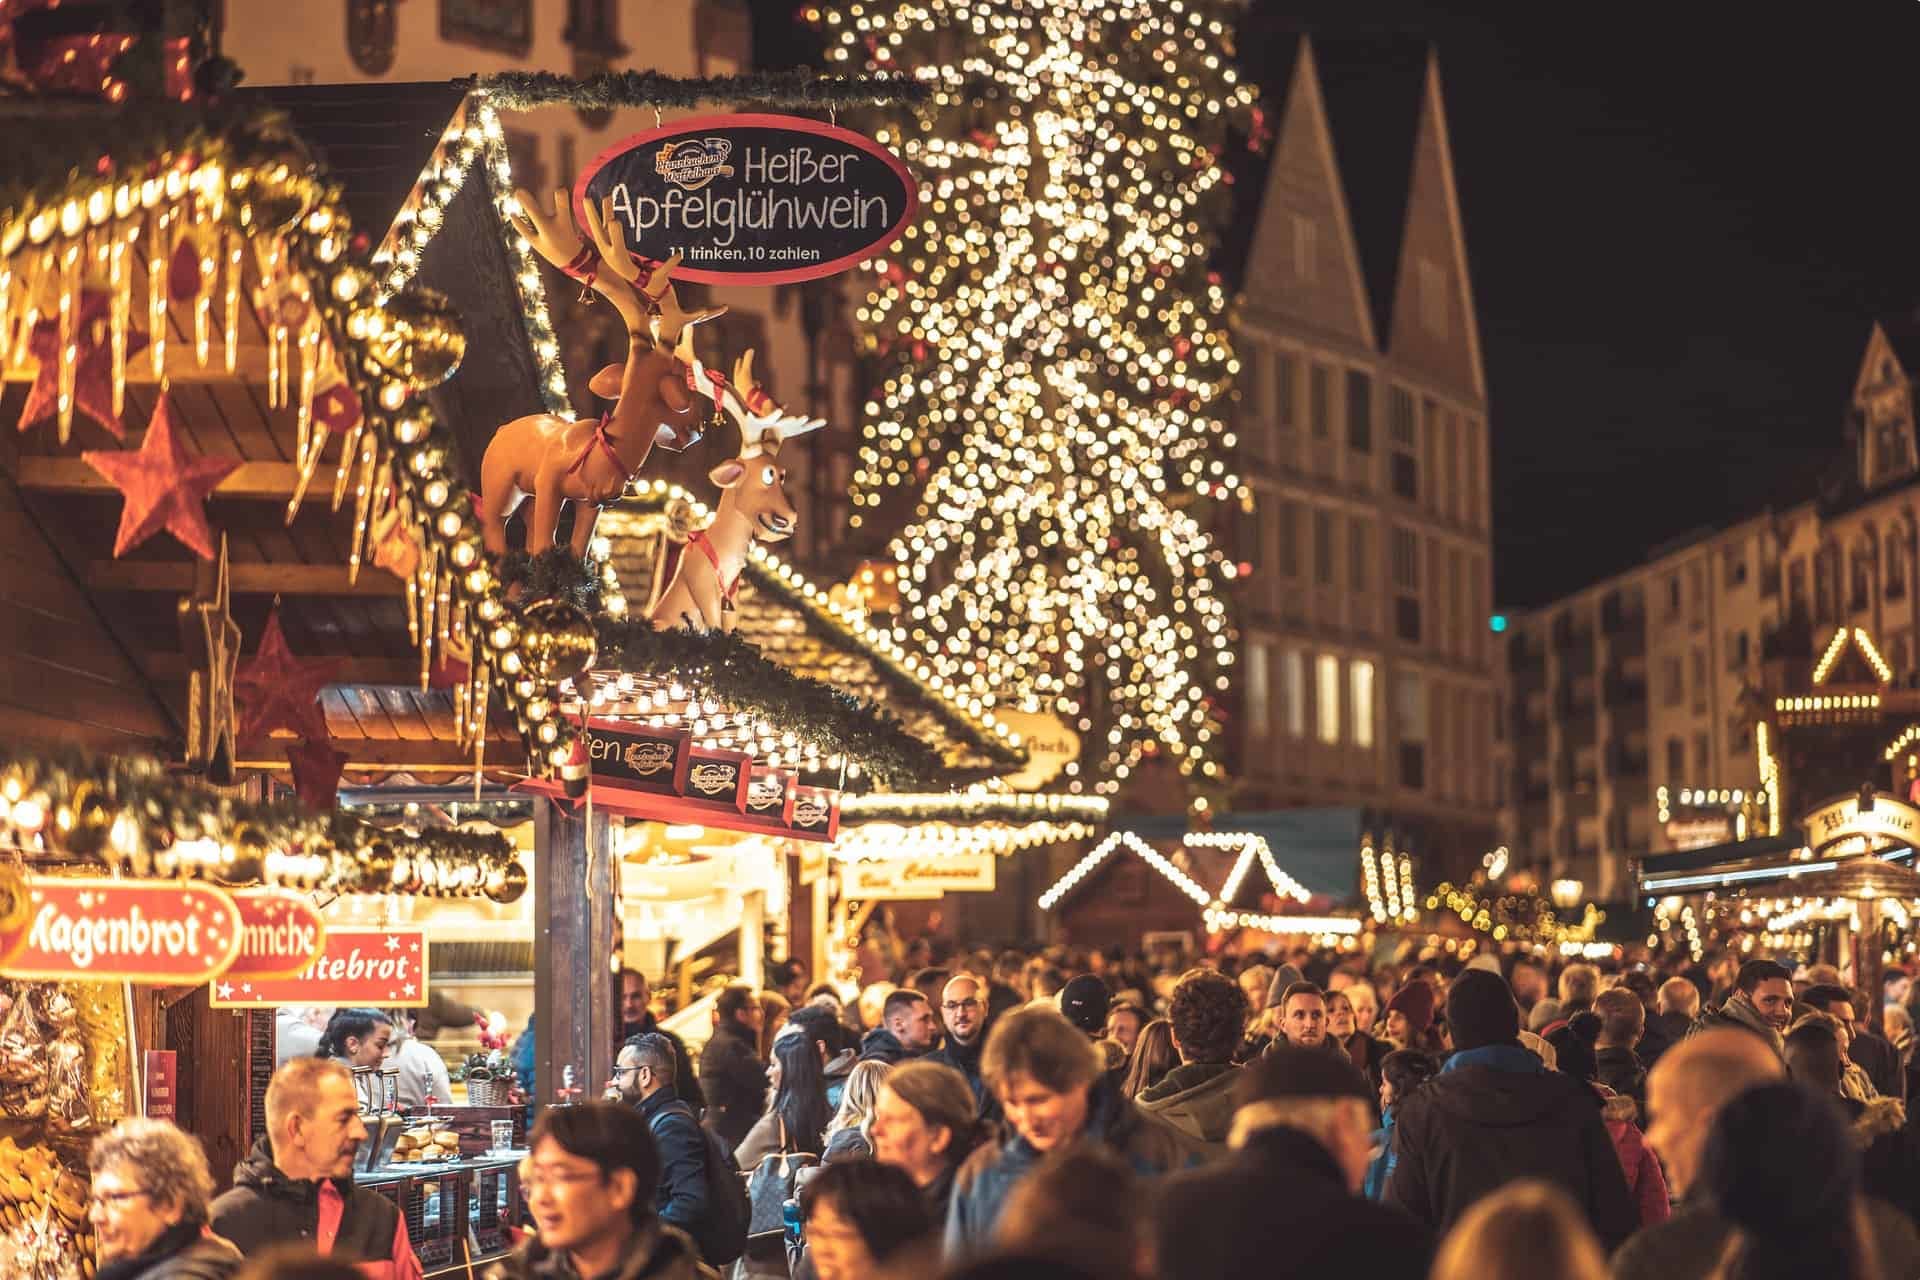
801 90
827 719
555 573
128 814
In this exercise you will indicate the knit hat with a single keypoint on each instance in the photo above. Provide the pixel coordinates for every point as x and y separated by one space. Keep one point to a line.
1414 1002
1787 1203
1485 960
1283 977
1085 1001
1290 1071
1481 1011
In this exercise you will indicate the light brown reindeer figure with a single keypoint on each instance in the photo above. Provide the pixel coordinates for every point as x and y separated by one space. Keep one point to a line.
753 503
558 460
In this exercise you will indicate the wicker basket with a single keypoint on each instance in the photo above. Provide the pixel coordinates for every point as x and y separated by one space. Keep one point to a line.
485 1091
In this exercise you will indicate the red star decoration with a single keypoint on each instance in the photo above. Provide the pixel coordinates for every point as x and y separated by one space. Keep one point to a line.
316 772
165 487
279 691
92 369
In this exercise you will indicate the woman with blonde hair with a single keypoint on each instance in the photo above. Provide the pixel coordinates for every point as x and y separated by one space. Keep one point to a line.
1153 1056
1525 1230
925 1121
850 1132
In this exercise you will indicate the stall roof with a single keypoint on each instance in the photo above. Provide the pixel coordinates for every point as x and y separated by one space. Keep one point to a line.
1320 848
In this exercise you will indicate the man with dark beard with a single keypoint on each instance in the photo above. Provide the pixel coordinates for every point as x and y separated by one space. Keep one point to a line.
636 1019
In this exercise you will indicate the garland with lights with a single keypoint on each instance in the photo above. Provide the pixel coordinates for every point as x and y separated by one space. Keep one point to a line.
971 806
822 717
130 815
800 90
1524 916
1056 349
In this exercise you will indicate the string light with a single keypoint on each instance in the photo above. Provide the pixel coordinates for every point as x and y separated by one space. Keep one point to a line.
1219 920
1058 348
1251 846
1102 851
877 841
972 802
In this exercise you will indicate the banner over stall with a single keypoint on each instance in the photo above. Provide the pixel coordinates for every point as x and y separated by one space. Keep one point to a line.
752 199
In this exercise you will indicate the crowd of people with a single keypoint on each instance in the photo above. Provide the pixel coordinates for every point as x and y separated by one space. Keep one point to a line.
1094 1115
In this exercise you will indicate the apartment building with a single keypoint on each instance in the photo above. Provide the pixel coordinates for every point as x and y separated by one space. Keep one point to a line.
1366 673
802 340
1630 706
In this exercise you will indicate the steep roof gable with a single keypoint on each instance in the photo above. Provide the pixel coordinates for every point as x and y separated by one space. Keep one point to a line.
1435 328
1304 263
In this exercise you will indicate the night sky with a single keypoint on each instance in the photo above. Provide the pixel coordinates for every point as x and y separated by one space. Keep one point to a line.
1682 221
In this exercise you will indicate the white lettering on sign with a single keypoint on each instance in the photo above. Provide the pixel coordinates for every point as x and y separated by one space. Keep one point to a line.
354 967
289 938
131 937
727 213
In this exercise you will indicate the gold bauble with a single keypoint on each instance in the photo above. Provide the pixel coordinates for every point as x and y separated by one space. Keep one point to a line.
14 908
243 859
420 340
276 192
505 884
556 641
375 861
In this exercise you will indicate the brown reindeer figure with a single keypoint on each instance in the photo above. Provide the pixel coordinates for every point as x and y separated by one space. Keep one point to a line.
753 503
558 460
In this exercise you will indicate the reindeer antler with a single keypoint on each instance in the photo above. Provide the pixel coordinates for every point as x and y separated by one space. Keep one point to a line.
764 425
556 238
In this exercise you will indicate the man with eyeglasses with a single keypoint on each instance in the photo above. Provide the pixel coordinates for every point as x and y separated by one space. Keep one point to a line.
963 1008
644 1074
590 1185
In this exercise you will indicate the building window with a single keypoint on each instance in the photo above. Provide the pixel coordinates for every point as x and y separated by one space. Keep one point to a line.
1358 551
1320 407
1447 496
1676 760
1825 596
1410 725
1289 539
1797 586
1433 297
1406 582
1327 705
1737 651
1284 391
1673 595
1736 566
1457 603
1436 460
1360 698
1259 711
1293 692
1323 548
1862 582
1306 248
1359 412
1702 756
1896 568
1673 682
1700 679
1403 435
1470 465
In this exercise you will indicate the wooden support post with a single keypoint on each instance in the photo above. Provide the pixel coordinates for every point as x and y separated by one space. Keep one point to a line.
575 897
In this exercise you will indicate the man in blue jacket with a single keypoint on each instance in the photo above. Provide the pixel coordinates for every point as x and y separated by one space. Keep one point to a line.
644 1071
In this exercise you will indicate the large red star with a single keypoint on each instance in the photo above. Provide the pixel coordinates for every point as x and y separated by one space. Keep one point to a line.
165 487
278 691
316 772
93 365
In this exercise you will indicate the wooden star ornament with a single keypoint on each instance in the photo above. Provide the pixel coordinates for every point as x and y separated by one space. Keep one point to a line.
316 766
280 691
165 487
92 368
210 715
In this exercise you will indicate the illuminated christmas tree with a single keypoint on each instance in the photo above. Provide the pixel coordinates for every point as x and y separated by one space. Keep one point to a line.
1059 358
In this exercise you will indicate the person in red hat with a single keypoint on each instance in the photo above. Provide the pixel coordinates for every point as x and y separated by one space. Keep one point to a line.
1410 1019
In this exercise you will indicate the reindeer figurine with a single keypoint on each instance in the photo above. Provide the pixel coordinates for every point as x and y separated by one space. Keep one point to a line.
558 460
753 503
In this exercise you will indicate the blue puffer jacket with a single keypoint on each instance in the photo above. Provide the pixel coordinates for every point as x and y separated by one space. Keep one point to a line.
1381 1167
1150 1145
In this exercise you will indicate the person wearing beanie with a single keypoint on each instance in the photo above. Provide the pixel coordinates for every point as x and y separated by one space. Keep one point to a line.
1084 1001
1494 1114
1284 1202
1410 1018
1283 977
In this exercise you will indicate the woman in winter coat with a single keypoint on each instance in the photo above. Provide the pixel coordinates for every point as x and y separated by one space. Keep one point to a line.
926 1122
149 1212
1645 1181
849 1133
1343 1028
1401 1071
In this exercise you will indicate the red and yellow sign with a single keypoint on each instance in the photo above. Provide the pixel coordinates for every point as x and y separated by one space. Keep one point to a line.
281 934
121 931
386 967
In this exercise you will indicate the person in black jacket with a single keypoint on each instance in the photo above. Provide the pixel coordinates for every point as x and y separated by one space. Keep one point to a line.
299 1176
636 1019
965 1013
1285 1202
731 1073
907 1029
149 1207
645 1072
1874 1056
1495 1113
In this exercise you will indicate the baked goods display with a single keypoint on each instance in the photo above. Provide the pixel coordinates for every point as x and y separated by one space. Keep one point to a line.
43 1215
426 1145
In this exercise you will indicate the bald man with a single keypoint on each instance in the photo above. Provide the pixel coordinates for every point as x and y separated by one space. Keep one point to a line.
1685 1091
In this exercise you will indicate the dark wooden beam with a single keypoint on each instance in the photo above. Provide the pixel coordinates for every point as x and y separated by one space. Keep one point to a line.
417 756
250 481
576 892
250 365
175 577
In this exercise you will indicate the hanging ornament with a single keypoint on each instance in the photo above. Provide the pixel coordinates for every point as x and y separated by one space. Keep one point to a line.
210 718
375 862
277 192
316 772
421 340
98 375
280 691
557 641
504 885
243 859
165 487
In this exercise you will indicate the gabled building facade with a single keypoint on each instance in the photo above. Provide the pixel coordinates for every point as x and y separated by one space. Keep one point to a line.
1631 709
1366 674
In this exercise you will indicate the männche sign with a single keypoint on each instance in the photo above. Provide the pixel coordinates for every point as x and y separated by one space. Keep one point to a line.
752 199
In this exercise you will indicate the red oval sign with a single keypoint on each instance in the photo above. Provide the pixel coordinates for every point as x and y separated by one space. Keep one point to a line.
280 934
752 199
385 966
173 934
